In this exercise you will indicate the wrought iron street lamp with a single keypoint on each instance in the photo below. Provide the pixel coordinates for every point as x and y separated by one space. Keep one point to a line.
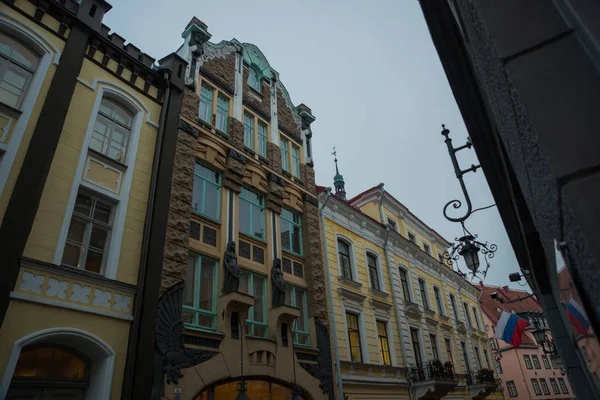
547 344
467 247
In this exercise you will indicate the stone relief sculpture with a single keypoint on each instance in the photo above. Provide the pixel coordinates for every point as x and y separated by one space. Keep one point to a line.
231 283
278 292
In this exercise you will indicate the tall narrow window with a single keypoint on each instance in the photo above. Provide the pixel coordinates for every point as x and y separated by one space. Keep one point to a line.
463 347
478 358
296 297
285 154
563 386
17 67
414 335
252 214
448 350
222 112
253 79
354 337
88 234
527 361
476 318
404 283
291 231
512 389
536 361
466 309
487 360
438 300
296 161
344 255
423 291
412 237
584 352
373 272
200 293
454 309
545 387
255 285
554 385
392 224
249 131
111 130
434 348
384 346
262 139
546 362
536 386
426 248
206 99
206 198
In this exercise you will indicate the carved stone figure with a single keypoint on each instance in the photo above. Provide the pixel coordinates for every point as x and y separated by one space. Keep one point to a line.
231 282
278 283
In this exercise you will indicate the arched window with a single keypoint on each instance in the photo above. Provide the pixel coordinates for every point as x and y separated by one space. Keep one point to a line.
344 255
112 130
404 283
17 67
373 271
253 79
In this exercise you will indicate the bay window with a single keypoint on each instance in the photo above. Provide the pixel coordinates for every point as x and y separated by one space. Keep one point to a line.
200 293
252 213
291 232
296 297
206 199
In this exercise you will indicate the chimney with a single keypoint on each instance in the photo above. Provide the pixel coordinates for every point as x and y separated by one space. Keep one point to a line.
505 288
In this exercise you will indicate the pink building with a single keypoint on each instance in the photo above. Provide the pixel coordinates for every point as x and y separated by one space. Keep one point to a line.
526 372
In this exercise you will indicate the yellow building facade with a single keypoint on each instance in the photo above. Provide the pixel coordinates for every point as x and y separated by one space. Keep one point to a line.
406 325
82 117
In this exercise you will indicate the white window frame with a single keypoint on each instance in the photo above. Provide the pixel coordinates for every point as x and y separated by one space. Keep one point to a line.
422 349
364 344
355 277
443 310
377 266
427 299
390 336
48 54
409 283
121 200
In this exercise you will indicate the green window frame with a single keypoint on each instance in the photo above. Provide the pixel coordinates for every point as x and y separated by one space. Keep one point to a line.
222 112
296 160
255 285
200 295
291 231
253 205
285 154
206 195
296 297
206 99
262 138
249 130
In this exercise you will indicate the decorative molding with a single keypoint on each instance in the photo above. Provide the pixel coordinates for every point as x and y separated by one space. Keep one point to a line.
236 156
412 310
310 199
349 282
323 370
106 166
351 298
187 128
276 179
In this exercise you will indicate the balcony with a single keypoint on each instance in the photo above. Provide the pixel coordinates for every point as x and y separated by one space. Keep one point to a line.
482 383
432 380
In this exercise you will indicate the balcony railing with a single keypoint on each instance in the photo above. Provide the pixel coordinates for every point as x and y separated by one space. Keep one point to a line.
483 376
434 370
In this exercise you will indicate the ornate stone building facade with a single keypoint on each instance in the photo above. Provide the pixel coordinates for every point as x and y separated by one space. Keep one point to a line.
242 254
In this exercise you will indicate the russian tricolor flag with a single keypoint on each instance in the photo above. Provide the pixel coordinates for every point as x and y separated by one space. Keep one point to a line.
510 328
577 316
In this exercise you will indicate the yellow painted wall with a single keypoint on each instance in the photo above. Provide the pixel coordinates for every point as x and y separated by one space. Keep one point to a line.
18 323
359 246
59 44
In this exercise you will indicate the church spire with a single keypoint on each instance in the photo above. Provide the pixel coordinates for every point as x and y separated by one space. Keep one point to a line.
338 179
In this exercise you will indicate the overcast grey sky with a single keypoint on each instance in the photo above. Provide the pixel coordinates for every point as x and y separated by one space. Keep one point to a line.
372 77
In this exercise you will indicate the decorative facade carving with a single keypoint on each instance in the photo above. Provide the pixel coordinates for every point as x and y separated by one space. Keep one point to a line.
323 370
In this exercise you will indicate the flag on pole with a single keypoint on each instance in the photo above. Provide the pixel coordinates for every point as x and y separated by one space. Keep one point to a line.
577 316
510 328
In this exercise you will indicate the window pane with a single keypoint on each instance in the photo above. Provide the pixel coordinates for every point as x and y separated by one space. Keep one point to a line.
300 304
258 285
101 128
83 204
24 56
211 201
98 238
121 115
296 246
210 174
257 222
206 321
289 296
198 193
76 230
6 44
244 282
189 317
285 235
260 331
71 255
244 216
102 212
190 282
93 261
207 284
118 142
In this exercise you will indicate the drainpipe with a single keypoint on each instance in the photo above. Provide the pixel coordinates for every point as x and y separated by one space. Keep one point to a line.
390 273
330 297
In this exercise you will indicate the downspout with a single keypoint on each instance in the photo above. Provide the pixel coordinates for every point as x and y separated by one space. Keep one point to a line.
390 274
137 306
338 369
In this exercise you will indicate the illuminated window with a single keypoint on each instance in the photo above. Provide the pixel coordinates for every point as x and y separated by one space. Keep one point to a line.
354 337
51 362
384 346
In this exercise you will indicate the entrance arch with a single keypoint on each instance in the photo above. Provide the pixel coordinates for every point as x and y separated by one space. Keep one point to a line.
91 350
258 388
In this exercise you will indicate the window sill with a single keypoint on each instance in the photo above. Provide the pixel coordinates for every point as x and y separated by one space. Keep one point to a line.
255 91
249 151
222 134
264 160
196 328
379 293
10 109
204 217
349 282
298 181
428 311
298 256
252 238
286 174
107 159
204 124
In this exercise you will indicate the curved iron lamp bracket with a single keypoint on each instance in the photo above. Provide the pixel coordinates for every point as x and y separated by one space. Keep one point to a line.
487 250
456 204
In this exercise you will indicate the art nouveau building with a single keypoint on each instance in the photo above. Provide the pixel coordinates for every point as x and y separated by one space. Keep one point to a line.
405 324
84 125
242 196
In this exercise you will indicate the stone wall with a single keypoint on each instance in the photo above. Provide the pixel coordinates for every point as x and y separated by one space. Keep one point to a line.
235 168
236 133
307 174
222 68
285 115
191 104
274 156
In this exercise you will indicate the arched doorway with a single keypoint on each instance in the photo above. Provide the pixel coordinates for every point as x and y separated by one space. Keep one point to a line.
50 372
257 389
